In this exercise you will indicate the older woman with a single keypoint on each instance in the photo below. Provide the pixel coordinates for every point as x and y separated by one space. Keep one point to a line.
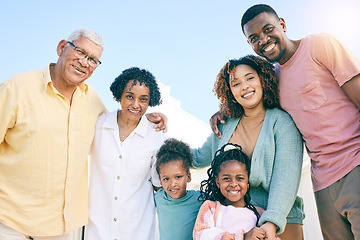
123 162
248 93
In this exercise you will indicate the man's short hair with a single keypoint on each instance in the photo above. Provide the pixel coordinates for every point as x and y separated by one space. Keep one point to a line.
255 10
91 35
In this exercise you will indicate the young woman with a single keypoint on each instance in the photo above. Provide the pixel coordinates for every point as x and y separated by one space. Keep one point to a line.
123 162
248 93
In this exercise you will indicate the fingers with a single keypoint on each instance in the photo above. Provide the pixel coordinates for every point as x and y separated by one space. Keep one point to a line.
160 121
255 234
214 121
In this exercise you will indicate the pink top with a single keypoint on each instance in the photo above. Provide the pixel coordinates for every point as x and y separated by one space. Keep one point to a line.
214 220
327 119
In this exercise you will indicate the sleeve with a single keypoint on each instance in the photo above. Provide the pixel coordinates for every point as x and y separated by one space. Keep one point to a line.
336 57
286 173
204 228
202 156
8 105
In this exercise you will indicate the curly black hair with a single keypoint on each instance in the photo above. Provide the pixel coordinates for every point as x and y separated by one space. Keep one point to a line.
140 76
268 79
174 150
208 187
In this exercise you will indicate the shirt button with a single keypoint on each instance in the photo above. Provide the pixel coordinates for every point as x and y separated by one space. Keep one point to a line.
118 177
120 156
116 198
115 219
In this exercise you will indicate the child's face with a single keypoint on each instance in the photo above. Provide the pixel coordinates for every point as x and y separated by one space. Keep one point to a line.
174 178
233 182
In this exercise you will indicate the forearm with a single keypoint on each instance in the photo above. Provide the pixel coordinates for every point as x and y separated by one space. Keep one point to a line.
286 176
202 156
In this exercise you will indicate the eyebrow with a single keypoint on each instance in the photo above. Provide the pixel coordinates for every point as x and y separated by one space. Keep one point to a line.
262 29
248 74
235 78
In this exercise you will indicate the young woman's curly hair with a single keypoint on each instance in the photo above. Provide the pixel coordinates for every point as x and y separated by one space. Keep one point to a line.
140 76
268 79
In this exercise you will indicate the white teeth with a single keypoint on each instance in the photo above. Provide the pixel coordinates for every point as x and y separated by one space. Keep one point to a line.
269 47
134 111
248 94
79 69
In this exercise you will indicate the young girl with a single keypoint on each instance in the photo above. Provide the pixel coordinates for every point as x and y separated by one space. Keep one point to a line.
177 208
227 213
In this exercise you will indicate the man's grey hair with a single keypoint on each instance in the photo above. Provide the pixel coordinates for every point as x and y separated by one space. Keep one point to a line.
91 35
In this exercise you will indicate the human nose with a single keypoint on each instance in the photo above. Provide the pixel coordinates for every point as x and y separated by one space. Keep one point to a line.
84 61
245 85
263 39
172 183
136 103
233 183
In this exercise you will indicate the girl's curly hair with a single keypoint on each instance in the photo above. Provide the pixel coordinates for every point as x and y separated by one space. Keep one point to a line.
174 150
140 76
208 187
268 79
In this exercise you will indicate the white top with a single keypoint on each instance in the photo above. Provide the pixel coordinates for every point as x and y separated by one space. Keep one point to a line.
121 197
233 219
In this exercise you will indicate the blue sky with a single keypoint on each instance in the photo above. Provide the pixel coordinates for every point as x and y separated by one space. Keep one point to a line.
183 43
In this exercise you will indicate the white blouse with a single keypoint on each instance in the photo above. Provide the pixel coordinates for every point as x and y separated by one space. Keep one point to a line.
121 198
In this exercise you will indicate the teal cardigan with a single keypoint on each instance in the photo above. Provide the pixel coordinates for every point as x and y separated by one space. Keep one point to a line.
276 165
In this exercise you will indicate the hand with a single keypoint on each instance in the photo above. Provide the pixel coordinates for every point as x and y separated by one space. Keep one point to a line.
159 119
270 230
216 119
228 236
255 233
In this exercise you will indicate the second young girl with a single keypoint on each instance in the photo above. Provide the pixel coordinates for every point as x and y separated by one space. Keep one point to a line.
227 212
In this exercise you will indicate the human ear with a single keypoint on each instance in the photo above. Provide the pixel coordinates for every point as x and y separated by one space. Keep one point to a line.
217 182
189 177
61 47
282 24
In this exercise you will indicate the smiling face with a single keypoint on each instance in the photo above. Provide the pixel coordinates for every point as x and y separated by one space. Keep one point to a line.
174 178
134 101
233 182
246 88
266 35
74 71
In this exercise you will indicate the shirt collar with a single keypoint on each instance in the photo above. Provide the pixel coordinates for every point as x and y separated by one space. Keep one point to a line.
83 87
141 129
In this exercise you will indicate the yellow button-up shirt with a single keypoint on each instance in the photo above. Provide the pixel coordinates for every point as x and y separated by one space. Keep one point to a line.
44 144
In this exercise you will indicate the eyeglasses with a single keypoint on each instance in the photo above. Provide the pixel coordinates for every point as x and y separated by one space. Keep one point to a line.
80 54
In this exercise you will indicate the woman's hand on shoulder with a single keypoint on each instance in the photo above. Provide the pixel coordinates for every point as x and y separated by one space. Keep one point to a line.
216 119
159 119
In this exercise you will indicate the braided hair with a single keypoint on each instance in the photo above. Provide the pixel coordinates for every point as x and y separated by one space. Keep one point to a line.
209 189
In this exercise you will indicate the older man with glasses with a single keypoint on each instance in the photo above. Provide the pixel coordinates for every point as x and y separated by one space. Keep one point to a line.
47 121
